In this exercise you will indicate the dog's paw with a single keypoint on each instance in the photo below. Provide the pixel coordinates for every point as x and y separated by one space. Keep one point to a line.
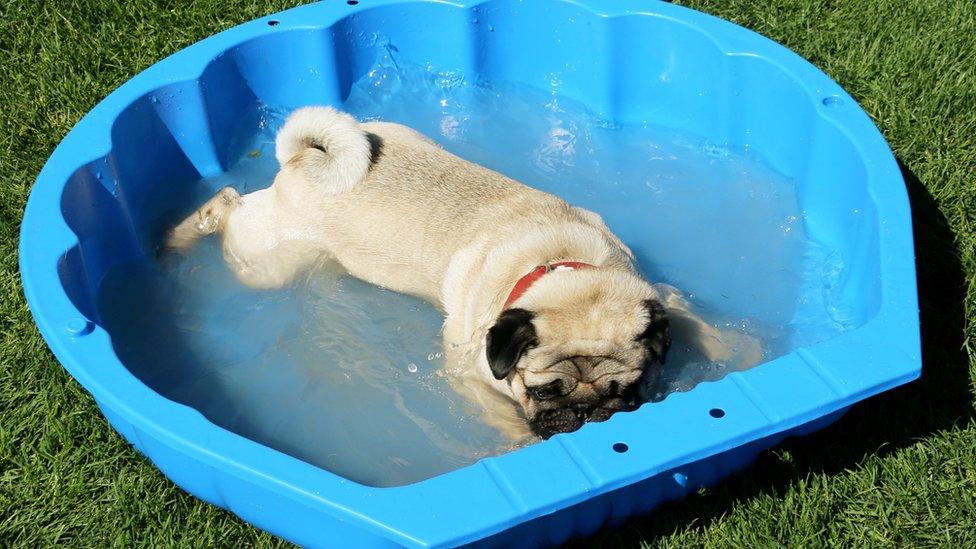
747 351
176 241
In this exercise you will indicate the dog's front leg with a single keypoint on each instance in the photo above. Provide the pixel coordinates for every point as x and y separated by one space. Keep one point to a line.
498 410
717 345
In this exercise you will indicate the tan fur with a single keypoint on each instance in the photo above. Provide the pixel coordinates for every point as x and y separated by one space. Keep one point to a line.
422 221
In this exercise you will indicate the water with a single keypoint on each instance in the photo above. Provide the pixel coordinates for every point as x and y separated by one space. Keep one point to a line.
347 376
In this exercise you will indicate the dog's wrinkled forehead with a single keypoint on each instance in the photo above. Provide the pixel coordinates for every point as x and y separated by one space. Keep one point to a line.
598 371
591 329
589 304
602 355
585 325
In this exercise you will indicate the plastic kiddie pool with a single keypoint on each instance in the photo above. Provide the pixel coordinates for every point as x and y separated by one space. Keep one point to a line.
99 199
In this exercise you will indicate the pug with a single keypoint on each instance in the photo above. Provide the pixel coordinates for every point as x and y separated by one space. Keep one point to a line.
548 323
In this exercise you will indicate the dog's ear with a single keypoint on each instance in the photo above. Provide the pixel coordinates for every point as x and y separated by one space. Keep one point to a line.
512 334
656 337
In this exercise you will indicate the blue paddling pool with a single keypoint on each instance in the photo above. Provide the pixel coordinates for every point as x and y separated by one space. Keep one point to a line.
734 169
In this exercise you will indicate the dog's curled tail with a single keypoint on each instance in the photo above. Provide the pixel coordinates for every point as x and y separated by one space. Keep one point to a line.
329 145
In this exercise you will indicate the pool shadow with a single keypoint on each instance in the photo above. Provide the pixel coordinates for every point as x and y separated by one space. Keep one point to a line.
939 401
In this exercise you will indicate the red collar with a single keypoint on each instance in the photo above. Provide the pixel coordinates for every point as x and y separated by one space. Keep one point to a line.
528 280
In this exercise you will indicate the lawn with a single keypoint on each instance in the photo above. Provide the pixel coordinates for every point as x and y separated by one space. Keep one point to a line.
897 470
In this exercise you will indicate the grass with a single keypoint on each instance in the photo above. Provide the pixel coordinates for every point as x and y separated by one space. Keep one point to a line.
897 470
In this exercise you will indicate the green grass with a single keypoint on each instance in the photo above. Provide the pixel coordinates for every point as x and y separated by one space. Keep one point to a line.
898 470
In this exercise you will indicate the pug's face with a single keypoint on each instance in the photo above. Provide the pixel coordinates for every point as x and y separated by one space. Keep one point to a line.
578 348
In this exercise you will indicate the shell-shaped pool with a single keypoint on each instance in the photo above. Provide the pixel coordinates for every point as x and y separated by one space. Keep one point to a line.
785 170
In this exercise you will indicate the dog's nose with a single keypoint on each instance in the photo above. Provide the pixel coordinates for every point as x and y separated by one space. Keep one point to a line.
582 411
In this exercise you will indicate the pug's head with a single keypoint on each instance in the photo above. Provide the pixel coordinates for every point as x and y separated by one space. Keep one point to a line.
577 346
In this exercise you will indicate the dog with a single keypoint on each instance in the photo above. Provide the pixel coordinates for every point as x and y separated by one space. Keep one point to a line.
548 324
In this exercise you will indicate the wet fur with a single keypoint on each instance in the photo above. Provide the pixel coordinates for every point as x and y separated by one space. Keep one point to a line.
398 211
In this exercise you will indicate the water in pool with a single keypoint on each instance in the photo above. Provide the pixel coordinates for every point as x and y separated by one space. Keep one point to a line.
346 376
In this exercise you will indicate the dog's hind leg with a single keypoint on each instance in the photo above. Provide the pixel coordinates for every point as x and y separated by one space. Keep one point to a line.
207 219
272 235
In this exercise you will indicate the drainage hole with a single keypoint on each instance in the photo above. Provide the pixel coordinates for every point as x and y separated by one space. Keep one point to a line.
620 447
680 479
716 412
273 23
352 2
832 101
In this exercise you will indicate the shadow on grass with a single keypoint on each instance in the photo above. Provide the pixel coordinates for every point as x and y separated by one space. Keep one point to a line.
940 400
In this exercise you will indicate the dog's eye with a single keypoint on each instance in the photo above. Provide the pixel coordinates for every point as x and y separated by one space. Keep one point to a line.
547 391
616 390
